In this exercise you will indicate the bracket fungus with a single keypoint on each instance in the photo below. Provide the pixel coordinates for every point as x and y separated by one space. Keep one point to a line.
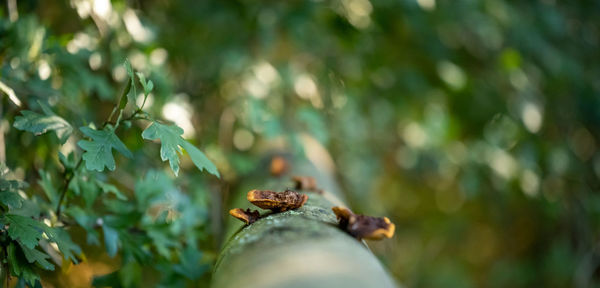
278 166
364 227
248 216
306 183
277 201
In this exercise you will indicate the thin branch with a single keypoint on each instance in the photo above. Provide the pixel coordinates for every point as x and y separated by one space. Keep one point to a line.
63 192
13 12
11 93
2 142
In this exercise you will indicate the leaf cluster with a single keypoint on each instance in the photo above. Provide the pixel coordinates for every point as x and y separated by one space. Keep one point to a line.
150 224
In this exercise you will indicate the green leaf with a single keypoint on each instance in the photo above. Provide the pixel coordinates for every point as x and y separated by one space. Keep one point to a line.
20 268
108 188
39 124
25 230
31 277
147 85
170 139
111 240
62 239
33 255
123 101
98 152
64 160
12 185
9 192
131 274
135 245
199 159
131 96
12 259
84 184
152 186
87 221
11 199
162 241
190 265
171 143
48 187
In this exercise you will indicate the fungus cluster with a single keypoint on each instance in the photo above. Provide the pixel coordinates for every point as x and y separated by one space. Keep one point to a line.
271 200
358 226
277 201
248 216
364 227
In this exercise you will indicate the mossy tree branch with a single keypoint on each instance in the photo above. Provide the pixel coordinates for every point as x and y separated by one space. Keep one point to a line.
297 248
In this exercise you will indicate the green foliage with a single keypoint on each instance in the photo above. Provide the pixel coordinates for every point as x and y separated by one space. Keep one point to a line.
199 159
48 186
66 246
98 152
111 240
26 231
9 192
39 124
26 234
131 88
188 267
34 256
77 192
20 267
147 85
171 141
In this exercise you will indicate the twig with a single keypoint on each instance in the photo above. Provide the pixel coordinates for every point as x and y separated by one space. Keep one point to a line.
68 179
13 12
6 266
10 92
2 142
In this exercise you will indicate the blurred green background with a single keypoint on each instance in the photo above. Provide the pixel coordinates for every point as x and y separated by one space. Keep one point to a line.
472 125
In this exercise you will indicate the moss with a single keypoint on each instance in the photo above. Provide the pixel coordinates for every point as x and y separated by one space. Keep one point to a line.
314 219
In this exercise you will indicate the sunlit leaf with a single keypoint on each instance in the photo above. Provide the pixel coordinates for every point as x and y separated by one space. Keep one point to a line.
41 123
171 143
98 152
24 229
200 159
65 245
132 91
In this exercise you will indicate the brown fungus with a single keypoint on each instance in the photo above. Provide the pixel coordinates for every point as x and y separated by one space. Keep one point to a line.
277 201
306 183
364 227
278 166
248 216
342 214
